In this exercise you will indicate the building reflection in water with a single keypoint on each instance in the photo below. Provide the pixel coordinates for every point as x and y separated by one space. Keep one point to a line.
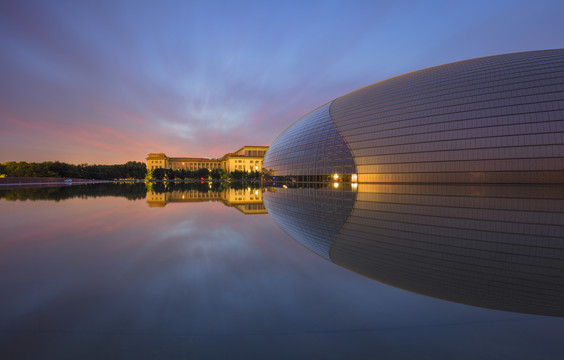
489 246
248 200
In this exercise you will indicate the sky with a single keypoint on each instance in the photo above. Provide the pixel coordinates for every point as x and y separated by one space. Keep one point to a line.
106 82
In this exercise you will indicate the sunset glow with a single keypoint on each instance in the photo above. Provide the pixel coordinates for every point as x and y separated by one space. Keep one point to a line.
109 82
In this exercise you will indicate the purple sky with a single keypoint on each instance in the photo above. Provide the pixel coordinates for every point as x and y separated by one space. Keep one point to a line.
110 81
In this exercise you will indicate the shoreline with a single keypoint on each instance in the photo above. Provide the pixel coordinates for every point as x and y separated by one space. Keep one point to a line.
21 182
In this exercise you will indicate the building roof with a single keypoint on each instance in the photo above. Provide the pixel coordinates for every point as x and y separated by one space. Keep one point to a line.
191 159
228 155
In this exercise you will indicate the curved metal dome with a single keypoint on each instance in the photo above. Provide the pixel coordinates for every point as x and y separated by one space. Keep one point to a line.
497 119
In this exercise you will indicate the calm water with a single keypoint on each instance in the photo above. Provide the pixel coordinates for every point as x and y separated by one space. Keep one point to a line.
204 272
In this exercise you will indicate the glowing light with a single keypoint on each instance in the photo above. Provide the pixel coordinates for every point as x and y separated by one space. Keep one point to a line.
354 178
354 186
284 186
335 185
335 177
256 192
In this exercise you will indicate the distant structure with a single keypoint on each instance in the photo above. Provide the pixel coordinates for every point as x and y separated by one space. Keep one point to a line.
247 158
497 119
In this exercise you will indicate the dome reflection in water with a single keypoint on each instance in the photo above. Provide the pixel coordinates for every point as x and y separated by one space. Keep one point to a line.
498 247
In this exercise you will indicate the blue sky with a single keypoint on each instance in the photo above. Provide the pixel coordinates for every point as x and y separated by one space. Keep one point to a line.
109 81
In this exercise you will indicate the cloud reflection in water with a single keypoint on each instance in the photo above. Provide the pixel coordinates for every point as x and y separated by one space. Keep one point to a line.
107 277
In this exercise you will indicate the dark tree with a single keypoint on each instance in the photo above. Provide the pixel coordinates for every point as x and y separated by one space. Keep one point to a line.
217 174
158 174
131 170
202 173
170 174
237 175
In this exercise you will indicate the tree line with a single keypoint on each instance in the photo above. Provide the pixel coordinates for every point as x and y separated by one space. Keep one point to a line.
129 170
201 174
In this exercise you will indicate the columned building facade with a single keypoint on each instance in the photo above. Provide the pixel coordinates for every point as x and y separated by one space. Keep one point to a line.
247 158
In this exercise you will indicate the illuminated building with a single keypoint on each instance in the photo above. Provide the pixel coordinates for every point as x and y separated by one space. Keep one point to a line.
497 119
247 158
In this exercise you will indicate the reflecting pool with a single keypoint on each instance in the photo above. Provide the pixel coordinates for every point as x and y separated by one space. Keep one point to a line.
211 271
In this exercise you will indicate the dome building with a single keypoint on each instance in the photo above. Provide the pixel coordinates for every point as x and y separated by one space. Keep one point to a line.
497 119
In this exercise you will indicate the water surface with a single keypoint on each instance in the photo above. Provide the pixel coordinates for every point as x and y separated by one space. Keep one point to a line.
204 272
